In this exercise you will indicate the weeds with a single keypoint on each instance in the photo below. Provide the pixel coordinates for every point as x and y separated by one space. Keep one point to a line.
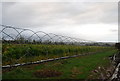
44 73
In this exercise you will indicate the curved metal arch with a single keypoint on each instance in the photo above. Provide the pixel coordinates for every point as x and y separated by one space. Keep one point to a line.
59 37
55 36
47 35
5 27
8 35
23 30
70 39
2 30
19 33
37 34
66 38
62 37
75 40
13 35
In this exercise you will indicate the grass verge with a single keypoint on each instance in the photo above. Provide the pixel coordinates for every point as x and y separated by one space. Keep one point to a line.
73 68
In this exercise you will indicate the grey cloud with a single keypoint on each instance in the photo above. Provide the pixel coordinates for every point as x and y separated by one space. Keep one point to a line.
52 15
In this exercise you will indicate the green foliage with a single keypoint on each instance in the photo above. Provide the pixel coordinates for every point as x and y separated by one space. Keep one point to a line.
73 68
29 51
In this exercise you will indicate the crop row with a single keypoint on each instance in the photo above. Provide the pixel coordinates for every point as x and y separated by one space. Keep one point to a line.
17 53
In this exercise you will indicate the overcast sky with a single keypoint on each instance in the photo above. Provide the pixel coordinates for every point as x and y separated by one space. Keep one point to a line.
97 21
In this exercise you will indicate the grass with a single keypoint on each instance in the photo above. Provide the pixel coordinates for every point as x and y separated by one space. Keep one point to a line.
30 52
73 68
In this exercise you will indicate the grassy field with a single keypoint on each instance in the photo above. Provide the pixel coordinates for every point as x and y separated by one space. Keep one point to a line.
21 53
74 68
